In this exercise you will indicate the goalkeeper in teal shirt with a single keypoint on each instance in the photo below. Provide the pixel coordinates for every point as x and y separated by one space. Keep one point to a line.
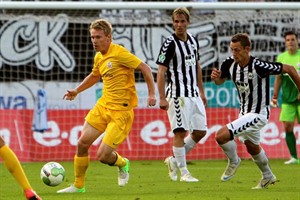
290 108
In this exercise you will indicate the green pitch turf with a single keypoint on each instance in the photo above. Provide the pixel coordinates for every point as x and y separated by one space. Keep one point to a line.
149 181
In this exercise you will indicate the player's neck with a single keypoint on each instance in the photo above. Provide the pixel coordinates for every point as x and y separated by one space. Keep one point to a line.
292 51
244 62
182 37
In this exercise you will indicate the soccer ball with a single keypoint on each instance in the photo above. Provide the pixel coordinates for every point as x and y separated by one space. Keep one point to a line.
52 174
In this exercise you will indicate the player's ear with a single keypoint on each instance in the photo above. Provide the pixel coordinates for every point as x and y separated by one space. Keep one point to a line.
247 48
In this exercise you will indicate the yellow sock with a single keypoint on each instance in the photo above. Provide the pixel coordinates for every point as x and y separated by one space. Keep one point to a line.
80 166
120 162
13 165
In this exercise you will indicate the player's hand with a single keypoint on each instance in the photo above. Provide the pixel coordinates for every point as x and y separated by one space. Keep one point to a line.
204 100
215 74
274 103
151 101
163 104
70 95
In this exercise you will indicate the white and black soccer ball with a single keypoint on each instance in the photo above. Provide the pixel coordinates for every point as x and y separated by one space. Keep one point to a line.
52 174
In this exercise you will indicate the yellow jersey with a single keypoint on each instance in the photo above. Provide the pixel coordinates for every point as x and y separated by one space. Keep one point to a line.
116 69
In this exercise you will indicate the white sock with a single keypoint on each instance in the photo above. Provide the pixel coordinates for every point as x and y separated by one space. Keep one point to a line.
179 153
189 143
262 161
229 149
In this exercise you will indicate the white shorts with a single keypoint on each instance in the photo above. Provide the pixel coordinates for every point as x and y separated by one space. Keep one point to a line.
248 126
187 113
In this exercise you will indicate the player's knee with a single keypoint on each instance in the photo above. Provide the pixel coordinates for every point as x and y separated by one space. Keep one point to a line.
179 134
223 135
198 135
219 138
82 148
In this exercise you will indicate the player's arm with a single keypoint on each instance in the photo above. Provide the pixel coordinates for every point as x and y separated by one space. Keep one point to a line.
216 76
293 74
89 81
200 83
277 84
148 76
161 83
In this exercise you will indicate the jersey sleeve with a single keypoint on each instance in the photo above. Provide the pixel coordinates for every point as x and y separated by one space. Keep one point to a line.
166 52
225 66
265 68
128 59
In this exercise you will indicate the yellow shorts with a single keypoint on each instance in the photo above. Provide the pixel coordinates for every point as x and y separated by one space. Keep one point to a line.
115 123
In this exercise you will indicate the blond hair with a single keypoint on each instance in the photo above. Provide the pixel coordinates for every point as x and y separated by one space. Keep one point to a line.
102 24
181 10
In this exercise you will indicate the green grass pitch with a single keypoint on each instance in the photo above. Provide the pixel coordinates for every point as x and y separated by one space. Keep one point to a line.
149 181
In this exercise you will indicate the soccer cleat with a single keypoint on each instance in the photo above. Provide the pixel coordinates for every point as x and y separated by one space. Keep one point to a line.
71 189
230 171
124 174
188 178
172 167
292 161
265 182
31 195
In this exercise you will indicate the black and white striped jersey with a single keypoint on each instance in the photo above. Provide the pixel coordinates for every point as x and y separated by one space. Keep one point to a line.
252 83
180 57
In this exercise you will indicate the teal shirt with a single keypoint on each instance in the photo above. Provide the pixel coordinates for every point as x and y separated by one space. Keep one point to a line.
288 87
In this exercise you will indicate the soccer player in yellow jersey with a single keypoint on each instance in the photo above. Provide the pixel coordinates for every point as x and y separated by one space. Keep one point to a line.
113 112
12 163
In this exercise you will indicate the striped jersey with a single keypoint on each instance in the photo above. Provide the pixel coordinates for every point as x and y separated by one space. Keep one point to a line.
252 83
180 57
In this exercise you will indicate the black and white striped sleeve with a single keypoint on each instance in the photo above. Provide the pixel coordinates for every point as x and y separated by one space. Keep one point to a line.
265 68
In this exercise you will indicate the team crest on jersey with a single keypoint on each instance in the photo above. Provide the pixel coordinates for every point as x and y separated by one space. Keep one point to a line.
190 60
243 87
109 65
250 76
193 46
162 57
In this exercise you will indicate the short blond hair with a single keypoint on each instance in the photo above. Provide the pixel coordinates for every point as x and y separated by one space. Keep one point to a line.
181 10
102 24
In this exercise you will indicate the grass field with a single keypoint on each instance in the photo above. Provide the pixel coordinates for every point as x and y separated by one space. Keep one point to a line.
149 181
